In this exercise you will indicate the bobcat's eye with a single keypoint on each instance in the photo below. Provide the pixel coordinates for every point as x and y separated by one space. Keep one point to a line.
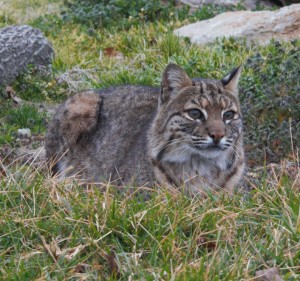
196 114
228 115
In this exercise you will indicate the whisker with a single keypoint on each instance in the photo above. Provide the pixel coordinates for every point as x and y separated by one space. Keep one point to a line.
185 147
171 142
237 153
237 148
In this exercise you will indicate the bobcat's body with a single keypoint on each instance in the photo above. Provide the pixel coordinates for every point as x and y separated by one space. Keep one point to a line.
142 136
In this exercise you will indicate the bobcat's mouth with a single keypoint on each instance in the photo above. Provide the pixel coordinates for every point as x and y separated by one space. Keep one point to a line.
214 148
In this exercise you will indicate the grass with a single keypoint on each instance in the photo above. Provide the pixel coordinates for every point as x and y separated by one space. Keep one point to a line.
56 230
28 116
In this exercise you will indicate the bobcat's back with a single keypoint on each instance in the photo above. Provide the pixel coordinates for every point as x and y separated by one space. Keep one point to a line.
102 134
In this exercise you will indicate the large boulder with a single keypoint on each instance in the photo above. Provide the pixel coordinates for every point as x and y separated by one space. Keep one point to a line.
261 27
19 47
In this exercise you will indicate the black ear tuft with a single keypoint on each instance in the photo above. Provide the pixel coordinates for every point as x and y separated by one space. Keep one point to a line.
230 81
229 76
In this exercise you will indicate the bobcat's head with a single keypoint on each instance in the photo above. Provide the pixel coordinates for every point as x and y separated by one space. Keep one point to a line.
195 117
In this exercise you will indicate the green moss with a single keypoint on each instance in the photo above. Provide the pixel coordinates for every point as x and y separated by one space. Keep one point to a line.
270 99
122 14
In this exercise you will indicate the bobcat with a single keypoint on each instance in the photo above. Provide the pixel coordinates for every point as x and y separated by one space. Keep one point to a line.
188 134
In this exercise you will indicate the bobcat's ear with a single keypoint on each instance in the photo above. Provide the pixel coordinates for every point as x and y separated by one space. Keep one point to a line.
173 80
231 80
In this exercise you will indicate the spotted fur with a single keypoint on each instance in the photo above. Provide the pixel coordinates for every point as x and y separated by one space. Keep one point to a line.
188 134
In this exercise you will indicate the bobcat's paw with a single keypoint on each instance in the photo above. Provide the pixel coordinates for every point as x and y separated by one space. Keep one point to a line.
80 115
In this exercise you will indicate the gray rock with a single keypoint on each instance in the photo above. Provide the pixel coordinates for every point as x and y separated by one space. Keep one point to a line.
19 47
24 133
248 4
260 27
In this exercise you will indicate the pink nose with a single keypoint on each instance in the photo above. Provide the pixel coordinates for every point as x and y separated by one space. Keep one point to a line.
216 135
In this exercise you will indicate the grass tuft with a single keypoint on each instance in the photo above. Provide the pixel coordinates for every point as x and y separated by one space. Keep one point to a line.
28 116
64 231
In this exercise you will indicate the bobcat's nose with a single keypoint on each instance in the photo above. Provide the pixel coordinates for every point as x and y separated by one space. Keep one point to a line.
216 135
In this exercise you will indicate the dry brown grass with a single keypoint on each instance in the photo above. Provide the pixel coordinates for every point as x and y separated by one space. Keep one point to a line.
21 11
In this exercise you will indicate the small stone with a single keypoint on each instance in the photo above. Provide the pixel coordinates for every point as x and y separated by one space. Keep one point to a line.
270 274
24 133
